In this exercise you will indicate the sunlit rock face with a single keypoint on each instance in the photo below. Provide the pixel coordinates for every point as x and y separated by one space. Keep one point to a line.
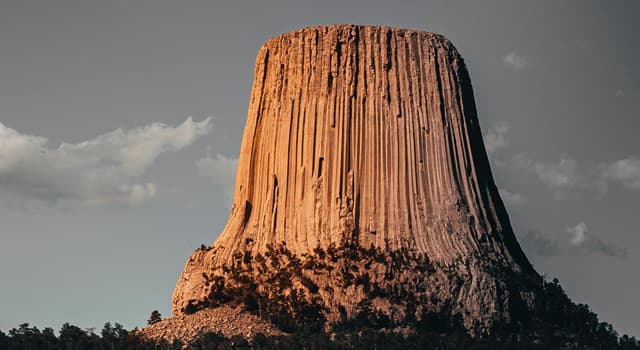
366 138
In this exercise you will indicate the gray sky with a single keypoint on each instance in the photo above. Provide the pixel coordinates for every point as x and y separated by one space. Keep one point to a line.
98 229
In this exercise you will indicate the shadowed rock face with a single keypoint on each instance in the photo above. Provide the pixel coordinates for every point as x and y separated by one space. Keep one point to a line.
364 136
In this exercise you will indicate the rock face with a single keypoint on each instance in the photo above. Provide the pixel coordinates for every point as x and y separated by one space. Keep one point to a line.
364 141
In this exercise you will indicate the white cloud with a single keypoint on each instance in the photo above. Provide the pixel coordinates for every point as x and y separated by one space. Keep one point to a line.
511 197
221 170
579 238
496 137
566 177
102 170
625 171
577 233
515 61
558 175
580 241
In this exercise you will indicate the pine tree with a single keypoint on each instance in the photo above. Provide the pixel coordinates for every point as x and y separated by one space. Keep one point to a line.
155 317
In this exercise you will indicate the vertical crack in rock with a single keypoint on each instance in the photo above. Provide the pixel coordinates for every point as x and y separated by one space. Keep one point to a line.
367 136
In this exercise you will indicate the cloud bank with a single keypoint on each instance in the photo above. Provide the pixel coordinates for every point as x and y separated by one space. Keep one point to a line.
102 170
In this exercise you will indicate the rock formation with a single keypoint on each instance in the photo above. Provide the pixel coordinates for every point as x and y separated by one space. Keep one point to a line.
363 182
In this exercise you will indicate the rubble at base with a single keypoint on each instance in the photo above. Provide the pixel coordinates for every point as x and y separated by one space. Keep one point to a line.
224 320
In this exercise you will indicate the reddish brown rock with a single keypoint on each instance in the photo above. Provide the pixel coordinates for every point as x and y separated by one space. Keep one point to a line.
364 136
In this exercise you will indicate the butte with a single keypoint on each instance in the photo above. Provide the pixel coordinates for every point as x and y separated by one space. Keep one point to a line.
363 187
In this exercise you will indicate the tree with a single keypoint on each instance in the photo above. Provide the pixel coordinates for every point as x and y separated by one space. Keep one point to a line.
25 337
114 337
155 317
73 337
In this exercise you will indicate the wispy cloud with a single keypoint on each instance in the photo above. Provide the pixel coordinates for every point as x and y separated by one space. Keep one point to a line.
577 240
625 171
579 237
567 177
578 233
561 174
515 61
102 170
221 170
496 137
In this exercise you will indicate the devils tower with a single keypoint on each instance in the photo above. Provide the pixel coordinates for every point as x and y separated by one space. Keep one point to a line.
363 186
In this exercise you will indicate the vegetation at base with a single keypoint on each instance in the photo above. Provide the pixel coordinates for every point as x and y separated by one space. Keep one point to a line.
70 337
452 338
370 339
283 287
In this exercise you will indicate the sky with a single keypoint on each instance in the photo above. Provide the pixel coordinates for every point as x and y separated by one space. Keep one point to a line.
121 122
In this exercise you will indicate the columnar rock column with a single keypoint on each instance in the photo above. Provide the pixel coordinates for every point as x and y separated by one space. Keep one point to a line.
362 135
